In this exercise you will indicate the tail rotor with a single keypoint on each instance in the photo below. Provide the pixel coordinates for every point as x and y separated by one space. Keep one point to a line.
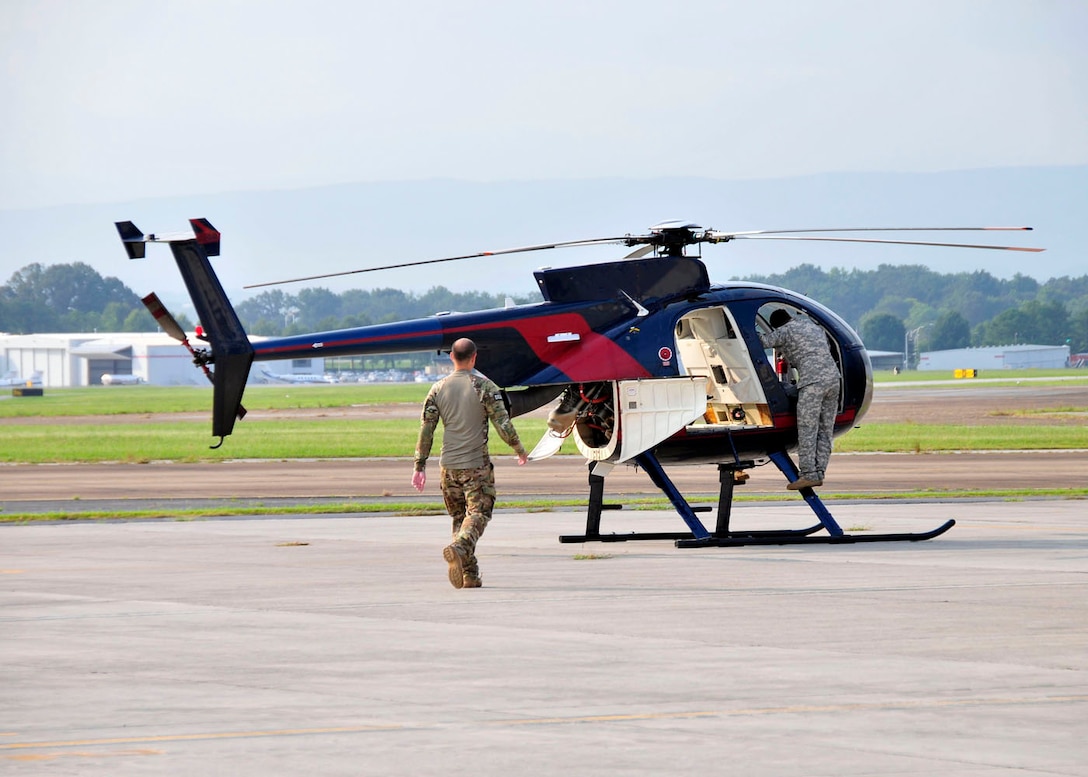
201 356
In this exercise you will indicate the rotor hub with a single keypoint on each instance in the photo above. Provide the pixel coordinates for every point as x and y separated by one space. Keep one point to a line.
670 237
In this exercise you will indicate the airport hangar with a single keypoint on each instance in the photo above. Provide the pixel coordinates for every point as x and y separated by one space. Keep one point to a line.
997 357
72 359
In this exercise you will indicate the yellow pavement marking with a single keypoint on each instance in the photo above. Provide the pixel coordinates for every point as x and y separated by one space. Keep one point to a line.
79 754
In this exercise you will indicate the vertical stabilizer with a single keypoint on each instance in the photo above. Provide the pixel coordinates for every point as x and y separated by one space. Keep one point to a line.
233 353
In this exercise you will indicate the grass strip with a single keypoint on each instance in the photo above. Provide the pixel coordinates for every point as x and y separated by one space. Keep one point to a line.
189 441
137 400
276 439
932 438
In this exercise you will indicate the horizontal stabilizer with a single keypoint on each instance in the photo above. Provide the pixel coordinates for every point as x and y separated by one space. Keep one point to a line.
133 239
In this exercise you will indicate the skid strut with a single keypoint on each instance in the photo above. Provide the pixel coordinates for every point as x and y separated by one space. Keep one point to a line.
699 537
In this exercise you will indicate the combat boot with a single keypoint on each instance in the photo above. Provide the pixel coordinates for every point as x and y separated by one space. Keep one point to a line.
455 556
471 581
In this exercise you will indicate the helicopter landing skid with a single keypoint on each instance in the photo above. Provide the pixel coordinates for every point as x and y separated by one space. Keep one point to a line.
771 538
722 536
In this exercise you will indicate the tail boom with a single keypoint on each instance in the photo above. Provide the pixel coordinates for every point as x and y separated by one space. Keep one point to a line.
232 353
231 349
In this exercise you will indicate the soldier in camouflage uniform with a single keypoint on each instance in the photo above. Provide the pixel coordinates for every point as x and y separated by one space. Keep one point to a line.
805 346
464 402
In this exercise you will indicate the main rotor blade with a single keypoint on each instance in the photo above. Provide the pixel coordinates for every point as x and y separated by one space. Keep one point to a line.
654 241
892 242
715 236
638 253
498 252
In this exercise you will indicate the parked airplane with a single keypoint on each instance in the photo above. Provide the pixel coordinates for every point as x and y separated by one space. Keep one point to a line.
13 379
290 378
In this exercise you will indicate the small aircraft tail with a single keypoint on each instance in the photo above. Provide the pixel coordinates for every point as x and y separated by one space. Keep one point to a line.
231 351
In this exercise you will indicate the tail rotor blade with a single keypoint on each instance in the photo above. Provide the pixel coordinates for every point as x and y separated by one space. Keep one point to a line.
162 316
170 325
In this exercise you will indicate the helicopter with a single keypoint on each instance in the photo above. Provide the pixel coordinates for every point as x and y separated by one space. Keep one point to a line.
657 365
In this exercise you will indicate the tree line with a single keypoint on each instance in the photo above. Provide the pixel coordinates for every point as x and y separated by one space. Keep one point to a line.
946 310
69 298
940 310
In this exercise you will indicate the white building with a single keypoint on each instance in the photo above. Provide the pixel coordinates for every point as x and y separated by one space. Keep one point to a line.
996 357
69 359
885 360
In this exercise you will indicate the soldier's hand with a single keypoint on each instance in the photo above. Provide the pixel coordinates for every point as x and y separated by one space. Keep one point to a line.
419 480
522 458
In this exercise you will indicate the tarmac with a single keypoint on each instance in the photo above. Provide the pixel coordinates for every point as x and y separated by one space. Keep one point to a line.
334 645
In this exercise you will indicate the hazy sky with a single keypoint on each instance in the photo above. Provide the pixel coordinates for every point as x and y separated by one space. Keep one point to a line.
116 100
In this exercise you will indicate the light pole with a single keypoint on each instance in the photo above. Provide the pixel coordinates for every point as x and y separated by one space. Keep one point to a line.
912 334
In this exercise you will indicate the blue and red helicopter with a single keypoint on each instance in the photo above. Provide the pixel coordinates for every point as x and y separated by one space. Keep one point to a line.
658 365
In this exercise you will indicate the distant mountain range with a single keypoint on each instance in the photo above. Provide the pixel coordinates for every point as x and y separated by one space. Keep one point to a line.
271 235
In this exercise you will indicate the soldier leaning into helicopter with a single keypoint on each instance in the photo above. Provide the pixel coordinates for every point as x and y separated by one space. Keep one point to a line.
806 348
464 402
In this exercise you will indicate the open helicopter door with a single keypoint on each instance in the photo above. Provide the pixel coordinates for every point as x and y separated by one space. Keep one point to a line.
647 411
709 348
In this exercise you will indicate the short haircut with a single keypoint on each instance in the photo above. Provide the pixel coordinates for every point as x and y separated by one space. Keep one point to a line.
463 350
779 318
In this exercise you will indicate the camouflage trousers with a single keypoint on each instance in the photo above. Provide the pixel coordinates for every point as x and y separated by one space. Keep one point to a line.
817 404
470 497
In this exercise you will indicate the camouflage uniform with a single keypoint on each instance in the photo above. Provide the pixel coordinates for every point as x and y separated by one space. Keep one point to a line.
464 402
805 346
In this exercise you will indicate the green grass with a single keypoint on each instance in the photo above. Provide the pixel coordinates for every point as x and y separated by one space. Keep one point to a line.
139 400
934 438
188 441
1011 376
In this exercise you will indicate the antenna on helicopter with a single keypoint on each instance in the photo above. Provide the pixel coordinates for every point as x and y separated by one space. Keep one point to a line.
671 238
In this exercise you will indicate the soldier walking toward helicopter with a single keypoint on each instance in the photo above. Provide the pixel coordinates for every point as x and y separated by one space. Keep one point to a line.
464 402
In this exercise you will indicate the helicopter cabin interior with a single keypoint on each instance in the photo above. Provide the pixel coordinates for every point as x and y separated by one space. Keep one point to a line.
708 347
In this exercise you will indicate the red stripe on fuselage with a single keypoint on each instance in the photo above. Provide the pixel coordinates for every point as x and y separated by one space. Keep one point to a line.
591 357
390 339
